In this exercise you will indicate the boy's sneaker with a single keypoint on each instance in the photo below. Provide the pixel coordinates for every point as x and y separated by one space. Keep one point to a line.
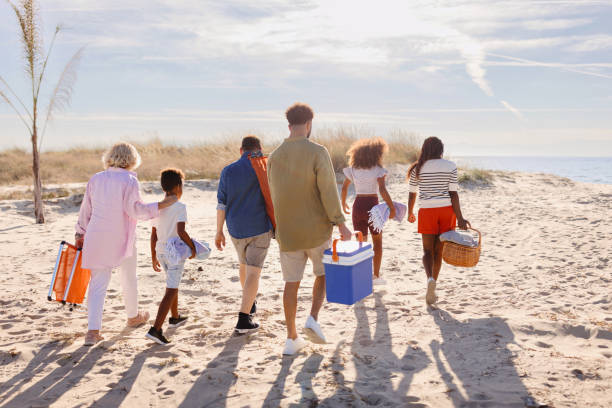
430 297
313 331
253 308
293 346
176 321
245 324
157 336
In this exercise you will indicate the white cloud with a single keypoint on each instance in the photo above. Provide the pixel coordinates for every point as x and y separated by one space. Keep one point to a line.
513 110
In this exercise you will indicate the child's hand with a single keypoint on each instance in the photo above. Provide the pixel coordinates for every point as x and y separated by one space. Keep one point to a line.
156 264
193 253
220 240
411 218
346 208
392 213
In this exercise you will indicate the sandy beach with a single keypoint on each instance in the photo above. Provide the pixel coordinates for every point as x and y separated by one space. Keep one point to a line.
531 325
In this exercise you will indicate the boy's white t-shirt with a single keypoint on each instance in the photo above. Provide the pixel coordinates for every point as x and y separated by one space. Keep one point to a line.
165 224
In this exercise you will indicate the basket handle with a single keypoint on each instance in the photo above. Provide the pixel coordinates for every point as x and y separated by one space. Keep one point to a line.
479 234
335 256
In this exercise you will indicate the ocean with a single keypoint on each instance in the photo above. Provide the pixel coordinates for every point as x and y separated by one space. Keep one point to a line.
585 169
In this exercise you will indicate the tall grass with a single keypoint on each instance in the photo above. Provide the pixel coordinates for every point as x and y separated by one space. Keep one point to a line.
197 161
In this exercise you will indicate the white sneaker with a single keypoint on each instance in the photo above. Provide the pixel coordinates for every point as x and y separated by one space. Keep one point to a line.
430 297
293 346
313 331
379 281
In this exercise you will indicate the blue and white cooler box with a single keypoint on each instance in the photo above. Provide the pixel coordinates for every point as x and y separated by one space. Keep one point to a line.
348 276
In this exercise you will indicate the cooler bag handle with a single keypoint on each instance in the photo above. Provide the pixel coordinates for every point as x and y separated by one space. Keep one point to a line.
335 256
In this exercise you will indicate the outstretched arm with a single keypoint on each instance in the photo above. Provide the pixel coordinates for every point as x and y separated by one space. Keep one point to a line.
461 222
382 187
345 186
220 237
411 202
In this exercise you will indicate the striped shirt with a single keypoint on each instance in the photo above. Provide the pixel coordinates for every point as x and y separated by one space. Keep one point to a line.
437 177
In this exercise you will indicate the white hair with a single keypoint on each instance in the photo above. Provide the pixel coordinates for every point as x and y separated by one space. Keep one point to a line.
123 155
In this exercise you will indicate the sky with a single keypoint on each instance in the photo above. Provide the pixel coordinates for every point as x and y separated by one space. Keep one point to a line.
489 78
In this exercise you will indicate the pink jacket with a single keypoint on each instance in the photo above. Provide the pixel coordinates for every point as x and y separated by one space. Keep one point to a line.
109 212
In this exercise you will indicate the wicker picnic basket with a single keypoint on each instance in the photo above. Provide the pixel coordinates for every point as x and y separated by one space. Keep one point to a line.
461 255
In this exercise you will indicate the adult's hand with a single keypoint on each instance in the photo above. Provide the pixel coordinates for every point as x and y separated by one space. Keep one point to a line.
463 223
220 240
78 240
167 202
345 233
411 218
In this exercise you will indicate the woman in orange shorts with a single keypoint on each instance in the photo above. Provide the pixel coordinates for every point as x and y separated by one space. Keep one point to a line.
435 179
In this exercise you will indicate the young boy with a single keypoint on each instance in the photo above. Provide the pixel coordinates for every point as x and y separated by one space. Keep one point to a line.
170 223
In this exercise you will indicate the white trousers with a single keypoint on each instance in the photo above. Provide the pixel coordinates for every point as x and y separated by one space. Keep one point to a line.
97 291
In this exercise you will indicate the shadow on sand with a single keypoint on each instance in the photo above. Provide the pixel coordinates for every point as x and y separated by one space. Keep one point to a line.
212 387
73 367
475 356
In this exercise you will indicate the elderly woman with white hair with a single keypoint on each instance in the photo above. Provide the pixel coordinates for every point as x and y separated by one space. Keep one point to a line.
106 230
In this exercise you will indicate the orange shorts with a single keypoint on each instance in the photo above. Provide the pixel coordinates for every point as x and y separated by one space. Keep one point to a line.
436 221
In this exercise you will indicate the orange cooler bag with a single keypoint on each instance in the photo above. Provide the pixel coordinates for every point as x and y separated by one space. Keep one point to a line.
69 281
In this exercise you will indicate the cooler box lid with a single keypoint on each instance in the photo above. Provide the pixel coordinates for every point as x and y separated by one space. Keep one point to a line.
349 252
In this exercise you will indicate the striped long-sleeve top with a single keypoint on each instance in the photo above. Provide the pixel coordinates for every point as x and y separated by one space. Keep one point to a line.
436 178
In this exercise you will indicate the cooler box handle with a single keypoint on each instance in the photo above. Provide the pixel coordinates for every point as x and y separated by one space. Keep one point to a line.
335 256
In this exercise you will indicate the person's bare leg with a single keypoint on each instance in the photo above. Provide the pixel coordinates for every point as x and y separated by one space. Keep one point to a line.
378 252
249 287
290 295
318 296
174 308
428 253
243 269
164 307
437 264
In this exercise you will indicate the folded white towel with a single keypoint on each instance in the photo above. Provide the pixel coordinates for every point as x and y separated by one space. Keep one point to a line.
379 214
178 251
460 237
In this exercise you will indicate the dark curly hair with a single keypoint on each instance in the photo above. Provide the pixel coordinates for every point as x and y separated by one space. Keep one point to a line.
367 153
171 178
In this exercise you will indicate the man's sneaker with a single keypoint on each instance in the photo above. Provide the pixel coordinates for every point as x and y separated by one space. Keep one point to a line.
245 324
157 336
253 308
379 281
293 346
176 321
430 297
313 331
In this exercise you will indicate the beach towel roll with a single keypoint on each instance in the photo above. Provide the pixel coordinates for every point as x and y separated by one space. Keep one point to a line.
379 214
178 251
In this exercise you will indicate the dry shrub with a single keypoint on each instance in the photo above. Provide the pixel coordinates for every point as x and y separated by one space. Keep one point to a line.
198 161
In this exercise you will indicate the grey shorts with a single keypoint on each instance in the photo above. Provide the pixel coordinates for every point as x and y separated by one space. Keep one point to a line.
174 273
293 263
252 251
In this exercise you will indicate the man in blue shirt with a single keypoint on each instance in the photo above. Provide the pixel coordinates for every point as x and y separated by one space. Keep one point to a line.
242 205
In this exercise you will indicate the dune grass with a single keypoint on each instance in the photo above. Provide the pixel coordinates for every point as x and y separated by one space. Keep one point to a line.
197 161
475 176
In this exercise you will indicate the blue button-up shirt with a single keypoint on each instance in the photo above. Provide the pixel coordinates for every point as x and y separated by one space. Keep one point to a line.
239 194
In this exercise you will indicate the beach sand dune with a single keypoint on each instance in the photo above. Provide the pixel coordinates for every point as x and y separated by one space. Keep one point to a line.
531 325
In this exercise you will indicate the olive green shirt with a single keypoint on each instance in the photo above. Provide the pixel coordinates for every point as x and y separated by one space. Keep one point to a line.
304 194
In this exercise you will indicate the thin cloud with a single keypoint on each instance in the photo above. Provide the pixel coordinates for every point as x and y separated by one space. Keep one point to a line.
513 110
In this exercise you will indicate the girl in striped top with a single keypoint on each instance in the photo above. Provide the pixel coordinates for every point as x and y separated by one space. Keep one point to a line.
435 179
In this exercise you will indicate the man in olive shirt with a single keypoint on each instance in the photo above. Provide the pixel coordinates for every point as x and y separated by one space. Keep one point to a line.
306 207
